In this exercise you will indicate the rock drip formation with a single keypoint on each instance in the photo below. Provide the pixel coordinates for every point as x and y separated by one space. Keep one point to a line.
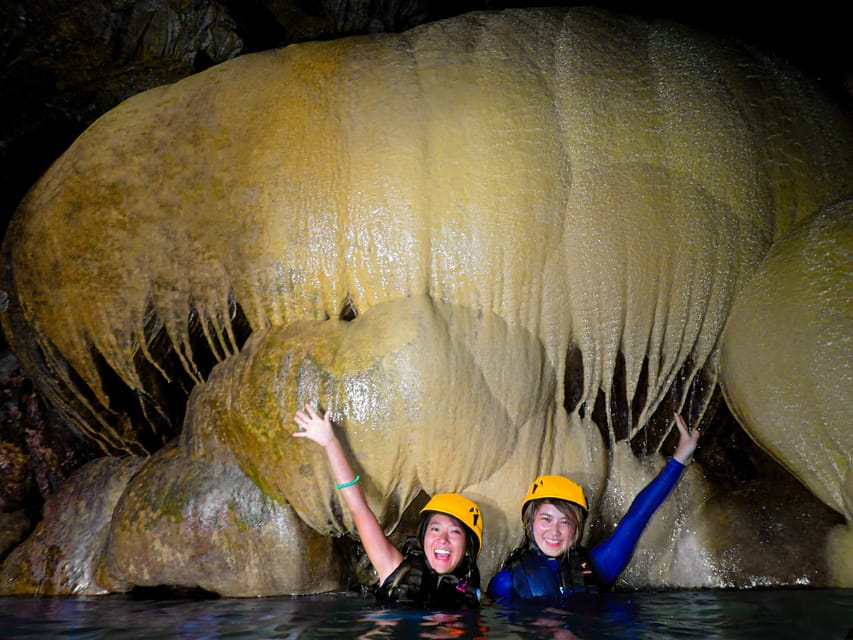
494 246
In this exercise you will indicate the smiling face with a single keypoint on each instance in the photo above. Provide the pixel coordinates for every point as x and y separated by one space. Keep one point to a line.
444 542
554 530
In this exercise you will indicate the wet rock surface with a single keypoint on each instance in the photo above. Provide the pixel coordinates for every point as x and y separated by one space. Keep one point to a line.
66 65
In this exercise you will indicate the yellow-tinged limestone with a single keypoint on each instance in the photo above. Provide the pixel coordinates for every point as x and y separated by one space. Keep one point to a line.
487 195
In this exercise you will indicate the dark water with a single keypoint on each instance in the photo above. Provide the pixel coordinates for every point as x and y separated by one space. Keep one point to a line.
775 614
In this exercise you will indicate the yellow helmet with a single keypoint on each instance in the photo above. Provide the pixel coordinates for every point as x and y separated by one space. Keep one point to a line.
556 487
461 508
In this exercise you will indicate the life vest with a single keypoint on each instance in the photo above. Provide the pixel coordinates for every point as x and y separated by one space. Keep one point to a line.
534 575
416 584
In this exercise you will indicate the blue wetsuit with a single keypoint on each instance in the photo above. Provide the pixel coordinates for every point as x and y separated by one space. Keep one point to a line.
535 575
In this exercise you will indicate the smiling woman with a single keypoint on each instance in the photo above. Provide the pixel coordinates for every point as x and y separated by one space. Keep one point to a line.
555 527
550 564
519 233
443 542
438 573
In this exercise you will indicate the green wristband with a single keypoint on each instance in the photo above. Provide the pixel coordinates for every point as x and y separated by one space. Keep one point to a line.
348 484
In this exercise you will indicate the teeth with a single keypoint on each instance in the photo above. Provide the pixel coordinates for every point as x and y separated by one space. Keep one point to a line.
441 552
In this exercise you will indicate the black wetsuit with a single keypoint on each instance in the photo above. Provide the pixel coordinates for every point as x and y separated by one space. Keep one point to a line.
416 584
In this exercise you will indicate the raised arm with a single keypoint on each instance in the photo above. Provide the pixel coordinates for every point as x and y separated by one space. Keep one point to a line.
383 555
611 556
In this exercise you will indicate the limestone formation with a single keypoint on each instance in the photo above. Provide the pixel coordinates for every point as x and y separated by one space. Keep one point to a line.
498 245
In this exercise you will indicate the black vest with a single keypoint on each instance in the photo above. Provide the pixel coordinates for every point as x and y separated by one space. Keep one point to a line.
532 577
414 583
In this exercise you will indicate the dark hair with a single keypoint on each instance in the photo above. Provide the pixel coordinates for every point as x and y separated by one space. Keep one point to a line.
471 542
467 567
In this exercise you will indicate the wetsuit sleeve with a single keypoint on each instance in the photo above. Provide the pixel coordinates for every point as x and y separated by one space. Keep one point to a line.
610 557
500 586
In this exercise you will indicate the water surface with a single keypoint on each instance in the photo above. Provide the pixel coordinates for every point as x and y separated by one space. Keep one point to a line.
808 614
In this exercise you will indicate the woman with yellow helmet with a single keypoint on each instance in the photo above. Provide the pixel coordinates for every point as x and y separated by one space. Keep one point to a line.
438 573
550 563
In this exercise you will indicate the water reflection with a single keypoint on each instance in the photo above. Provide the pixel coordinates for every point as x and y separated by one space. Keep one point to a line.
397 623
747 615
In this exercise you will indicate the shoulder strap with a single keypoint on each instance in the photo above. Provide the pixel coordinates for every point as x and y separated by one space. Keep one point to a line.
414 583
411 582
576 572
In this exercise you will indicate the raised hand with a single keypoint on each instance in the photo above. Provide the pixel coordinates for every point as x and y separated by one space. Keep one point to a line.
383 555
313 427
687 441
